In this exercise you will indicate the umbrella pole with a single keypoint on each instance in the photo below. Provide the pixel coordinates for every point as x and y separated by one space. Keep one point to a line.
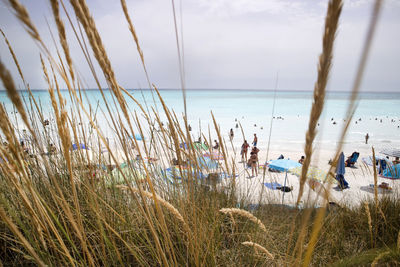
284 186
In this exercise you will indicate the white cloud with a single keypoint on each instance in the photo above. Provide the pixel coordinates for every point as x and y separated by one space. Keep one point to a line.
228 44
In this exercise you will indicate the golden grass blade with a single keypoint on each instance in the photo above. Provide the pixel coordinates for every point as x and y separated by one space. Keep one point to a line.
324 65
245 214
62 35
258 247
350 112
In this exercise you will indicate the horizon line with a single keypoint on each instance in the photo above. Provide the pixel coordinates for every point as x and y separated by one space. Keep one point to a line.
217 89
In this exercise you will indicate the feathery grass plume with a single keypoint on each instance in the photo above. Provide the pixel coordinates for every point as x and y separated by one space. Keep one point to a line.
324 66
133 31
62 35
13 56
23 240
82 12
21 74
23 15
245 214
258 247
13 94
349 114
162 201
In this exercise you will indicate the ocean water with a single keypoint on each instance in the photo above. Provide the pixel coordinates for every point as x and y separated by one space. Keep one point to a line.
377 114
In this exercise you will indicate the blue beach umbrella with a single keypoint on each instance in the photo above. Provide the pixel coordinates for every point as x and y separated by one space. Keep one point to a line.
79 146
207 163
283 165
340 171
138 137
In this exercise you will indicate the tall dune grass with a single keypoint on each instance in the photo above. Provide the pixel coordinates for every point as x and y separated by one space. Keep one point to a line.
65 207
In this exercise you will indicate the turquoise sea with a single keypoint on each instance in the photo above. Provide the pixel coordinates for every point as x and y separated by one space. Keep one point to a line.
377 113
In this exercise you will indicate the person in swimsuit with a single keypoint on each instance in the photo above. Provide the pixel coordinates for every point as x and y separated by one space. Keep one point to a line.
253 161
255 140
243 152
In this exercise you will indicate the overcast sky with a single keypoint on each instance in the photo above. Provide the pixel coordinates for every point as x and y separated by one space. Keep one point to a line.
228 44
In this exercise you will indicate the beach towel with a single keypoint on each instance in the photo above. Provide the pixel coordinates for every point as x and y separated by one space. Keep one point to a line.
273 186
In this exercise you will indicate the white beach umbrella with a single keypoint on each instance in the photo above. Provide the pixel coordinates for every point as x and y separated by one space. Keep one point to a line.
391 152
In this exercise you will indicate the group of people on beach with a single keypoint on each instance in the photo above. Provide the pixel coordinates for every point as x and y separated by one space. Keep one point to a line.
253 160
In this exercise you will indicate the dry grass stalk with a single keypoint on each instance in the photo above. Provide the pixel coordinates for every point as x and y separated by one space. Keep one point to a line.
369 221
258 247
62 35
162 201
82 12
23 15
245 214
324 66
350 112
375 178
13 56
13 94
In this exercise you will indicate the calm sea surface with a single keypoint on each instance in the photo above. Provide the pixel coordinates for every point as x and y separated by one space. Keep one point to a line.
254 110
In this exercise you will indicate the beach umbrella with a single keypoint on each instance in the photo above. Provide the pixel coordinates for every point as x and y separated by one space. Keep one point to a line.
391 152
196 145
368 160
131 174
283 165
183 145
79 146
173 174
340 171
314 174
207 163
392 172
138 137
200 146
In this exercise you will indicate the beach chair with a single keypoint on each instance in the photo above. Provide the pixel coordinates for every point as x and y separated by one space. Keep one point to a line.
352 159
382 165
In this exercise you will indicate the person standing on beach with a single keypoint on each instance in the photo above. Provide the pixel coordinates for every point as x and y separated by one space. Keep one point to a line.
231 134
253 162
255 140
366 138
243 152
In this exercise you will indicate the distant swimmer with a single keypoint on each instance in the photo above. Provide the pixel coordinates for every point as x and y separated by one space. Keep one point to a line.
334 123
255 125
